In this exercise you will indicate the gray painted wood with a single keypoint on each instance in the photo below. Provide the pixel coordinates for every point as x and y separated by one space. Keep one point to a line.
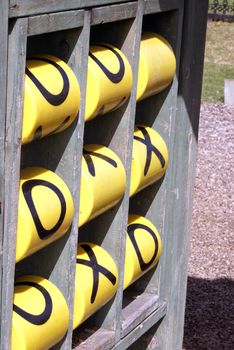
54 22
20 8
61 153
173 113
179 209
116 131
159 112
112 13
15 92
229 92
148 340
154 6
139 330
3 81
138 308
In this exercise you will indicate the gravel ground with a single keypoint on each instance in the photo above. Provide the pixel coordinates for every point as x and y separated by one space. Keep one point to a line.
209 322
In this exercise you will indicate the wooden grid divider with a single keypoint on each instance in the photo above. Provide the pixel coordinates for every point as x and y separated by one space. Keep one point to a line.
66 29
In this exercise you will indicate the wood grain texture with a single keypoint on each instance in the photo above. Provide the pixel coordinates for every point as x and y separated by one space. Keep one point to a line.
179 208
158 112
20 8
62 154
139 307
3 84
54 22
174 113
143 327
15 93
155 6
116 131
112 13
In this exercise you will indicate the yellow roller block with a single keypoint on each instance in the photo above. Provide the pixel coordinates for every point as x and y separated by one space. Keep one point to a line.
40 314
157 65
103 181
51 97
143 248
96 281
149 158
45 210
109 80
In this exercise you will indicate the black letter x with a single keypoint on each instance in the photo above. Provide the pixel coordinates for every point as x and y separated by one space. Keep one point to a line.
89 161
93 263
149 149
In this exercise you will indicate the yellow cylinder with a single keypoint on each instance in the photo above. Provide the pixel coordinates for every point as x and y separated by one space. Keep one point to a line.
45 210
51 97
103 181
40 314
157 65
149 158
96 281
143 248
109 80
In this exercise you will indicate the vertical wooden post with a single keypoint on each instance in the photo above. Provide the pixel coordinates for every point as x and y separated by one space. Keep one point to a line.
3 83
179 209
15 93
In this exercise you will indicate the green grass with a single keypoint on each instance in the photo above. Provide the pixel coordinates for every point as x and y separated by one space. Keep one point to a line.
219 60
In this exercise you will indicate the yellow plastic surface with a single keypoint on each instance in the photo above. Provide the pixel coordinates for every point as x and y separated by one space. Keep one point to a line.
96 281
40 314
109 80
45 210
149 158
51 97
157 65
143 248
103 181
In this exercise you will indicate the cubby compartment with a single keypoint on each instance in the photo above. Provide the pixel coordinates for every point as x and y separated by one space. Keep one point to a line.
112 130
143 298
59 152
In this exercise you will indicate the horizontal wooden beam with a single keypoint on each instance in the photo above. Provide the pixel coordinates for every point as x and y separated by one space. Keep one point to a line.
153 6
20 8
142 328
113 13
54 22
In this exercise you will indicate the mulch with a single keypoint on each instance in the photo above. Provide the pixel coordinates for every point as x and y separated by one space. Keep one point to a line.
209 317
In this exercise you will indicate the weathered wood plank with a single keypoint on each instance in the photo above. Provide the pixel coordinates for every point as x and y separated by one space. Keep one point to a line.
138 309
19 8
179 209
114 13
54 22
174 116
138 331
3 88
116 131
158 112
148 340
154 6
62 154
15 93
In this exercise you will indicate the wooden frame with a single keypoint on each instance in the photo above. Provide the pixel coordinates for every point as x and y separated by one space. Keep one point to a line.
3 82
155 299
